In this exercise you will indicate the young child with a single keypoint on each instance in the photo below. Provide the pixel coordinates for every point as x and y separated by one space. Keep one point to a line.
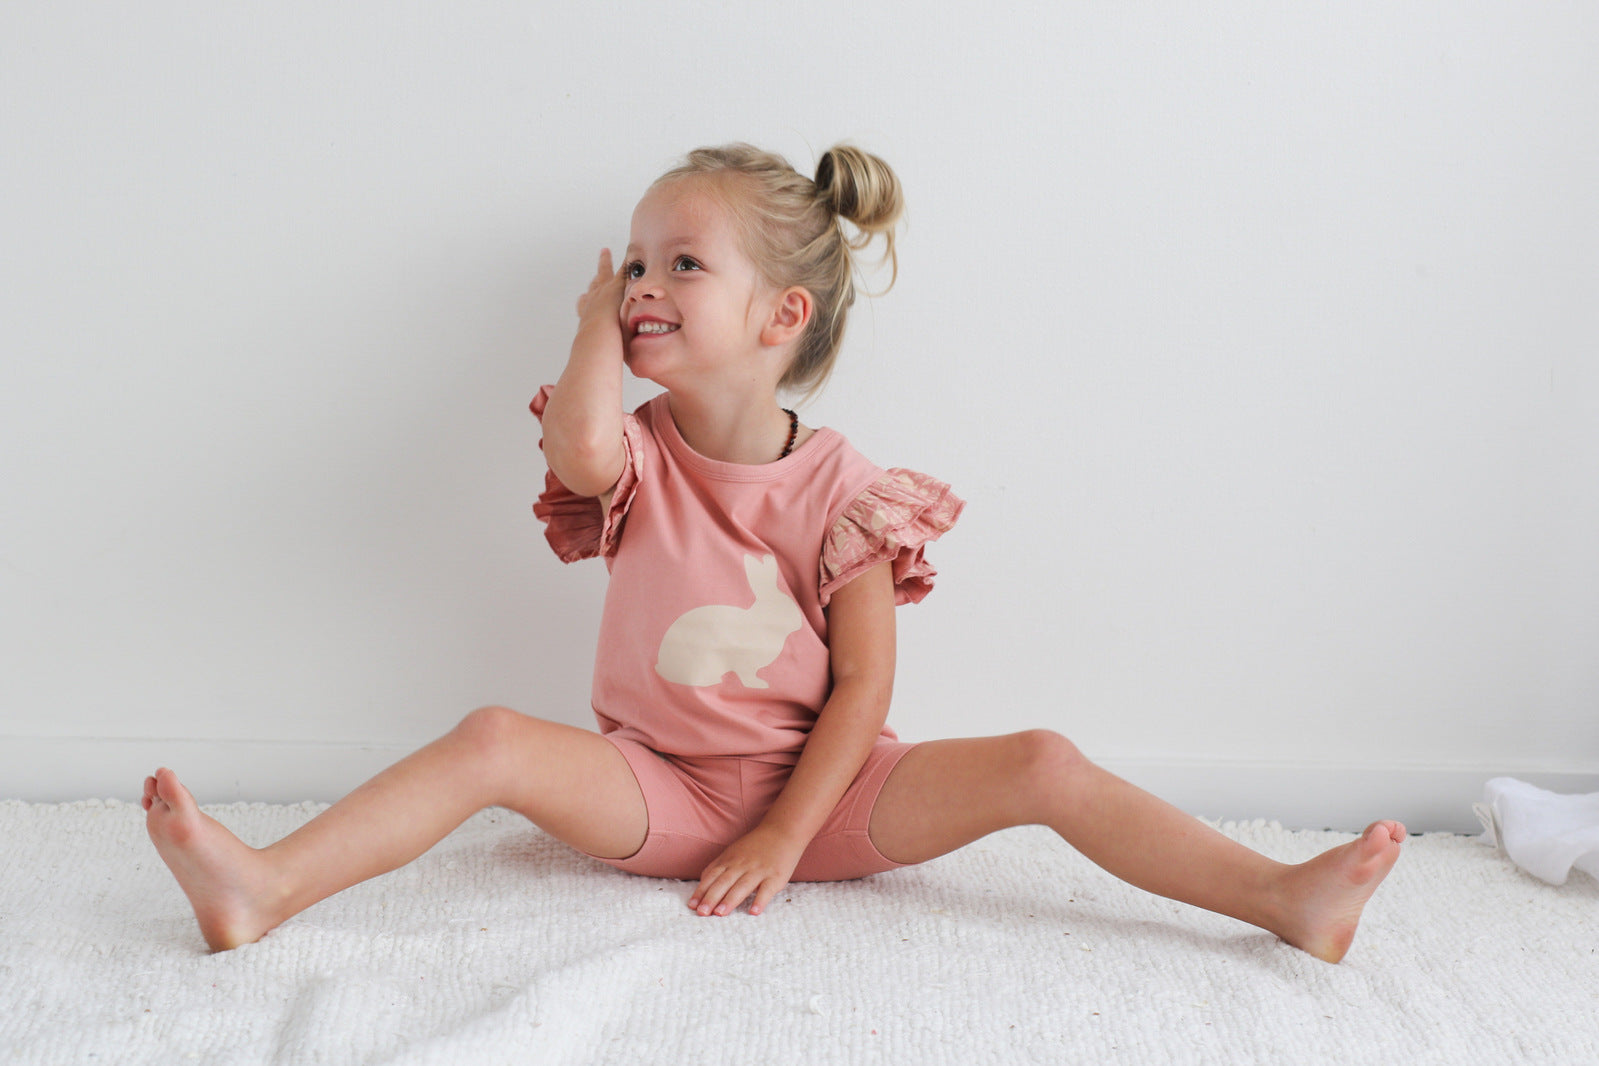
746 650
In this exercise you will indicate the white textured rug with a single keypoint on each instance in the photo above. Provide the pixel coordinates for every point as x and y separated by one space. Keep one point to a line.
502 945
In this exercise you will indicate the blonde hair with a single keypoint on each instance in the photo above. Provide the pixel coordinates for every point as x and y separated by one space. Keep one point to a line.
792 231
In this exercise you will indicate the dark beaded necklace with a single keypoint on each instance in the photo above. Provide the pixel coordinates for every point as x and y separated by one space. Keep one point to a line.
793 432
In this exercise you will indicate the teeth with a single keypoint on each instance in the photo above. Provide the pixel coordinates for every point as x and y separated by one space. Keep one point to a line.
655 327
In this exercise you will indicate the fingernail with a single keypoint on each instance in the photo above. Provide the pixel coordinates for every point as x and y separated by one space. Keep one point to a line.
722 909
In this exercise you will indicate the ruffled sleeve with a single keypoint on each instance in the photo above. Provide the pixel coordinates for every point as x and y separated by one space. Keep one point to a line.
892 519
574 525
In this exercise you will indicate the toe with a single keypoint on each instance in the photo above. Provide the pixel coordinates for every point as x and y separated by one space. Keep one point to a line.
170 790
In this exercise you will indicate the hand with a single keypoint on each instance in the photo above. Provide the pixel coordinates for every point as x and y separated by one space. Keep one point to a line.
601 305
761 861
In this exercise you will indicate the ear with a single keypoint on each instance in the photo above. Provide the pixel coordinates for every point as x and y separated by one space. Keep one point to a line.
791 312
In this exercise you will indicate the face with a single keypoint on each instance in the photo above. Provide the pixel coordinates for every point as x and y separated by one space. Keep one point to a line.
684 268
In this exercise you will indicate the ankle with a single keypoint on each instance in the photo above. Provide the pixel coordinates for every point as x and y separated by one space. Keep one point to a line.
1267 897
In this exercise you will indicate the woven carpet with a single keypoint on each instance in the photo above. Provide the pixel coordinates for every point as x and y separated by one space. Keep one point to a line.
503 946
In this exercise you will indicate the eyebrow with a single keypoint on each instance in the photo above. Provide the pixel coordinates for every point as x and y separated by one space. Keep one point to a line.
673 243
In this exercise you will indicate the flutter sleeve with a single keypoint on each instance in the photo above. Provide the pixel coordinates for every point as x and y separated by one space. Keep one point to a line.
892 519
574 525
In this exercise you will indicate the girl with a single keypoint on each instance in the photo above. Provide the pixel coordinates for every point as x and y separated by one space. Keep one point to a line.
747 645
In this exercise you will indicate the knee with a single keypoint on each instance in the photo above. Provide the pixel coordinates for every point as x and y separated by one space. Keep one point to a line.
1047 765
487 730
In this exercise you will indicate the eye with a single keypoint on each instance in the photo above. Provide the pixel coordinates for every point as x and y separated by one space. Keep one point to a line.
634 269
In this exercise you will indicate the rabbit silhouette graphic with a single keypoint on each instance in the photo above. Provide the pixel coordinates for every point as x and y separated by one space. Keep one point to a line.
708 643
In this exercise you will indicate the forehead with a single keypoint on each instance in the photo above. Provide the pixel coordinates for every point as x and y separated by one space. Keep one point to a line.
685 209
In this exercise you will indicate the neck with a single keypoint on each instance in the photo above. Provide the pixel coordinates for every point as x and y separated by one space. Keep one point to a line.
749 431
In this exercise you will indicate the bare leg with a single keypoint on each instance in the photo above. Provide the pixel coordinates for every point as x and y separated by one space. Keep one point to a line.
945 794
569 781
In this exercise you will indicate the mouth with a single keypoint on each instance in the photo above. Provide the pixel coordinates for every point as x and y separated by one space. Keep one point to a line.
654 329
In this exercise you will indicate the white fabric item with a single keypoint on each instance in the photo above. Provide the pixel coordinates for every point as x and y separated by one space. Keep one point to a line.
503 946
1545 833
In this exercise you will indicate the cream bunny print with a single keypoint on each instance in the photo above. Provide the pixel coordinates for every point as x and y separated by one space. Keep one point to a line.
708 643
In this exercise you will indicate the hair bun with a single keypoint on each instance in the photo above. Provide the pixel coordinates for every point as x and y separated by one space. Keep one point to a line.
859 187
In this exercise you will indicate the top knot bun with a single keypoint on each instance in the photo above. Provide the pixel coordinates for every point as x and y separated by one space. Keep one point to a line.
859 187
863 190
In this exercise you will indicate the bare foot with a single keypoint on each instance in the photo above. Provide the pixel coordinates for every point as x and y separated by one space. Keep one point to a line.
223 876
1326 895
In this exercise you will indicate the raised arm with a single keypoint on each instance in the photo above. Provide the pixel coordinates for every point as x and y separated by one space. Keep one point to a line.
583 422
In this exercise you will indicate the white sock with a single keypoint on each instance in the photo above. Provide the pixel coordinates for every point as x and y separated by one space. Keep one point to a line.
1545 833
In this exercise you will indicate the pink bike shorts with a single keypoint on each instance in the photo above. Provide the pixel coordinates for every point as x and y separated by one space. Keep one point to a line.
698 806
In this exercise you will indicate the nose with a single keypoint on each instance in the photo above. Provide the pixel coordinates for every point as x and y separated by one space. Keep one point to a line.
645 285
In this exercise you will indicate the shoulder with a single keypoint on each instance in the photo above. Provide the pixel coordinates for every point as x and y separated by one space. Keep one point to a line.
830 450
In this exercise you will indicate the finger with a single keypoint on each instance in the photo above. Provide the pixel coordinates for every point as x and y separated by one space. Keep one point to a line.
738 893
729 890
609 277
703 887
713 886
712 898
768 890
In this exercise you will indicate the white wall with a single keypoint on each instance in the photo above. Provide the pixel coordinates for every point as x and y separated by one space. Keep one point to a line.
1262 342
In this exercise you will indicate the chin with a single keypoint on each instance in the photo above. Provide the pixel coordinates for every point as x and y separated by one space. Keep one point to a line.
641 368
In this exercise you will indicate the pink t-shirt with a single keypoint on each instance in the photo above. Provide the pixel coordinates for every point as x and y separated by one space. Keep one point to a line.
713 639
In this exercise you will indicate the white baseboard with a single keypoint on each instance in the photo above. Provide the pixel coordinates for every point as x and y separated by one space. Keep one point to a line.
58 769
1427 798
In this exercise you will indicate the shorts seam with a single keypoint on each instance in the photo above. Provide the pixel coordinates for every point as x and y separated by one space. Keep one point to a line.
627 751
656 842
880 775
